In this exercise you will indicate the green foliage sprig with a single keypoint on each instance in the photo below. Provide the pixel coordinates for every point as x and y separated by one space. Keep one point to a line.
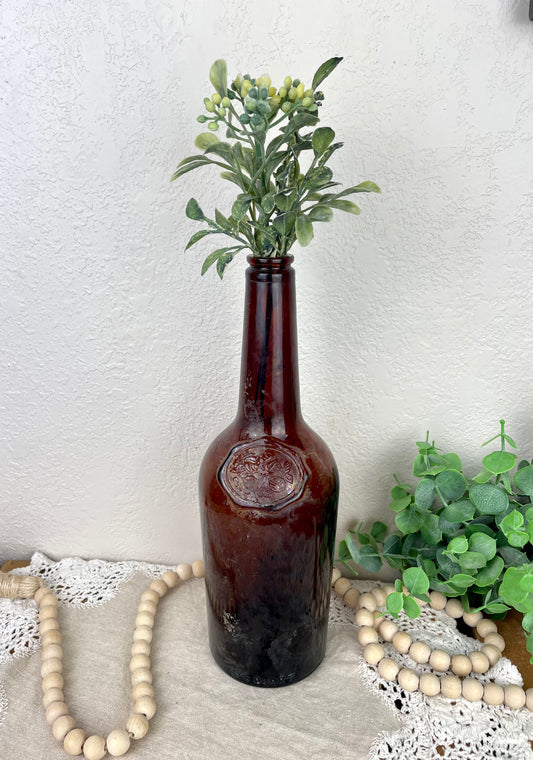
279 201
468 538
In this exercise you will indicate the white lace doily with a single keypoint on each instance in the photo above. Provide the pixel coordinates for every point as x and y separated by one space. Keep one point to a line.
432 727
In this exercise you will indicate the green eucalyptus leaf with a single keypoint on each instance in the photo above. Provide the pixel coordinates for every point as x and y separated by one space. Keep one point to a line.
205 139
347 206
512 521
218 76
526 582
324 71
488 498
488 575
523 479
495 608
379 530
399 504
409 521
518 538
449 528
527 622
425 493
512 557
320 213
369 559
450 485
430 530
458 545
453 462
322 139
193 211
415 580
304 230
410 607
395 602
510 590
462 581
459 511
419 466
479 542
342 552
352 548
472 560
483 477
499 461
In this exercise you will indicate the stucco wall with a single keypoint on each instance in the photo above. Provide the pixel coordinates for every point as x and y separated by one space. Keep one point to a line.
119 363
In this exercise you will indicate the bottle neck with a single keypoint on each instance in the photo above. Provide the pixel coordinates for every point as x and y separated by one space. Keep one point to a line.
269 394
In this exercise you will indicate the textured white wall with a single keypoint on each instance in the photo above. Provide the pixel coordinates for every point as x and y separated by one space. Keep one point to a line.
119 364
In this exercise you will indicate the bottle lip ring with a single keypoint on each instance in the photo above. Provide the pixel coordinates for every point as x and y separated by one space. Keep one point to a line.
270 263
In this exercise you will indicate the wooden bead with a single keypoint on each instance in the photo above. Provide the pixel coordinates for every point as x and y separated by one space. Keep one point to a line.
55 665
73 741
335 575
147 606
62 726
529 699
472 618
373 653
364 617
495 640
52 637
47 611
43 593
492 653
150 596
50 624
454 608
388 589
52 695
140 676
143 633
388 669
367 635
159 586
184 571
450 687
55 711
408 679
439 660
171 578
380 595
493 694
351 598
118 742
472 689
367 601
94 747
419 651
461 665
52 681
429 684
139 661
387 629
486 626
480 662
401 641
342 586
198 568
137 726
140 647
145 706
52 651
514 696
143 689
145 618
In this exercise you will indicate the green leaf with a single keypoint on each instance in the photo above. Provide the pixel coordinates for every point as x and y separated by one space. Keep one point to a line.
449 528
518 538
352 548
284 223
222 222
392 544
453 462
189 167
462 581
304 230
425 493
223 262
430 530
510 590
459 511
411 608
499 461
379 530
409 521
512 557
523 479
284 201
218 76
415 580
479 542
342 551
362 187
198 236
240 207
527 622
348 206
527 582
320 213
513 521
322 139
205 139
369 559
301 119
318 177
397 505
472 560
222 149
395 602
268 202
458 545
193 211
495 608
488 498
324 71
214 256
483 477
450 485
419 466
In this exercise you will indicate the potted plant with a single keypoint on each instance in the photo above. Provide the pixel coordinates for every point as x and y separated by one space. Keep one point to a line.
469 538
268 483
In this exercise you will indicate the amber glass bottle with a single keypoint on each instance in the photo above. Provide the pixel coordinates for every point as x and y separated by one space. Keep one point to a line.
268 499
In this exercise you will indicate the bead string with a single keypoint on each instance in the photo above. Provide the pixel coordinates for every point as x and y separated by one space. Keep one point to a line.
64 727
458 683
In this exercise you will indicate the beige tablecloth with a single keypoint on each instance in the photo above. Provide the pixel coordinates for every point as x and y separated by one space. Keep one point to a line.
202 713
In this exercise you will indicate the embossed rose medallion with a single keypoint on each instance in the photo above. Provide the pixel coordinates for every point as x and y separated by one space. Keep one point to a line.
263 473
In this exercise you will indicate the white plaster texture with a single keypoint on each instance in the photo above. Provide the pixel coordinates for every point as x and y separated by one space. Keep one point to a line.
119 363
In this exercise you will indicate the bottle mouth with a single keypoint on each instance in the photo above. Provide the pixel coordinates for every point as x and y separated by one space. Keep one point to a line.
270 264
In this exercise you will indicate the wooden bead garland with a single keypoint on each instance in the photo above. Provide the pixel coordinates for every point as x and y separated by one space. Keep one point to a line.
460 682
74 739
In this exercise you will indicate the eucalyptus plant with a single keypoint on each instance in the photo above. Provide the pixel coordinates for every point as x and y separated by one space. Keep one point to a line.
268 133
468 538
